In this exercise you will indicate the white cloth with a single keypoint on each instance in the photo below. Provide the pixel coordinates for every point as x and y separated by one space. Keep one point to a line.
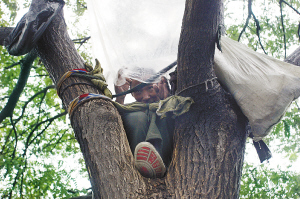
262 86
133 33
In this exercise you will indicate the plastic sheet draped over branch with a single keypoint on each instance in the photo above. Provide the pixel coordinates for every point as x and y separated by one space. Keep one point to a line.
262 86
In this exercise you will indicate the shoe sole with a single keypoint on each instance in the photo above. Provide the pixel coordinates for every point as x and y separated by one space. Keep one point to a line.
148 161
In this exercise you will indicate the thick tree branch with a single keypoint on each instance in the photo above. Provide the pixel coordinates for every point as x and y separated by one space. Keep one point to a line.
26 64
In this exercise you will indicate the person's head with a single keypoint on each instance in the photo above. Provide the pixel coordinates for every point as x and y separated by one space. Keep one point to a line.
147 94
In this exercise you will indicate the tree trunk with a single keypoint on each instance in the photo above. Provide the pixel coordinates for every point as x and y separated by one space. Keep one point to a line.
209 141
96 123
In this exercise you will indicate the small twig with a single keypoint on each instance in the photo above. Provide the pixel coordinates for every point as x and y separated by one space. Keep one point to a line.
30 99
40 76
282 1
250 13
56 143
81 41
40 133
299 31
22 179
5 145
17 177
248 18
40 104
84 6
297 105
54 138
12 65
282 24
16 137
28 141
257 32
3 98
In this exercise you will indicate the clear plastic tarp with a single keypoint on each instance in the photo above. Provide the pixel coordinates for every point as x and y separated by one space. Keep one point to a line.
128 34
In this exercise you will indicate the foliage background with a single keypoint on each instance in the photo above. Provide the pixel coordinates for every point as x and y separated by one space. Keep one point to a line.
39 155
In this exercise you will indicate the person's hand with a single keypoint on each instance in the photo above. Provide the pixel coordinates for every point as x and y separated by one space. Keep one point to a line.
122 88
163 88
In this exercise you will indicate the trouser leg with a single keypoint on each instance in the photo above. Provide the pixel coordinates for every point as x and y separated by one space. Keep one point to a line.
160 134
166 128
149 127
136 126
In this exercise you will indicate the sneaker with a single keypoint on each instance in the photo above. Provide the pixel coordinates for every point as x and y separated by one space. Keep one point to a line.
148 161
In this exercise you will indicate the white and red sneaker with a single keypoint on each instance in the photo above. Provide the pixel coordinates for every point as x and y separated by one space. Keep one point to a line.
148 161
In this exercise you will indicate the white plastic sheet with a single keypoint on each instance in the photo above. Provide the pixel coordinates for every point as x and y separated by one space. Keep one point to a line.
131 33
262 86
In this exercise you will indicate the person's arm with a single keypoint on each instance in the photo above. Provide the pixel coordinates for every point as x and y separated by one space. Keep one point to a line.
122 88
164 89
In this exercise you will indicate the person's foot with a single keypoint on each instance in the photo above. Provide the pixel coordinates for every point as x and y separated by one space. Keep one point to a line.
148 161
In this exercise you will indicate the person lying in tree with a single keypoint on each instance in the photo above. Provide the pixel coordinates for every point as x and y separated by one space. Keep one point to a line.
149 135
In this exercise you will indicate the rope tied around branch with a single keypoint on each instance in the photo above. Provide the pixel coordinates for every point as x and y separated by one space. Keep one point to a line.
94 75
82 99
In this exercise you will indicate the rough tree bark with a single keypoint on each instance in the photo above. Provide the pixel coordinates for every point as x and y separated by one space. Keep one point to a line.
97 124
209 140
294 58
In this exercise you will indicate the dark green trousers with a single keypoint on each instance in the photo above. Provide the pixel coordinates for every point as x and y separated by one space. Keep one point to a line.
147 126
